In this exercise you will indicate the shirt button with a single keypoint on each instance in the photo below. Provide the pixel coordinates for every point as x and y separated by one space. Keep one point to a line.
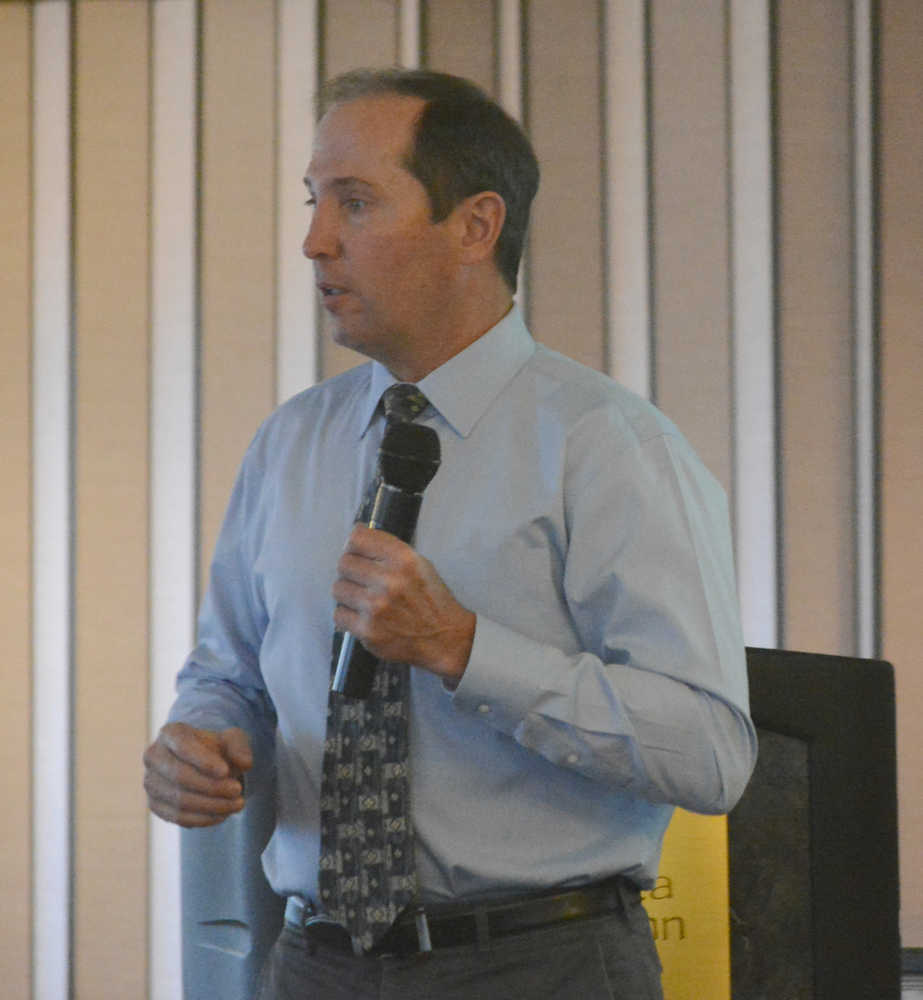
483 709
572 758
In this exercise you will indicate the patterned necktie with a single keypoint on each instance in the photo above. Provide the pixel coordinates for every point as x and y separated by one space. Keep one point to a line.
367 874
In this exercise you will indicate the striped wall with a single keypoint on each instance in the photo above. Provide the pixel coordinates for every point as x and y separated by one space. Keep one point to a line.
730 221
16 513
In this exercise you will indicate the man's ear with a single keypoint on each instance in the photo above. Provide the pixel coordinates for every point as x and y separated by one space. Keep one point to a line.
482 217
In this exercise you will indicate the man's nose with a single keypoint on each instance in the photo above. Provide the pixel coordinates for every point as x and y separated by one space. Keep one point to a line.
321 239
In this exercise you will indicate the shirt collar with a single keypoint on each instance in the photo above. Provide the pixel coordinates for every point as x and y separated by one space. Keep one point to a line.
463 388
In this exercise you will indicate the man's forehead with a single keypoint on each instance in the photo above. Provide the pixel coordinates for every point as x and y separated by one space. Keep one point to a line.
368 134
389 103
381 120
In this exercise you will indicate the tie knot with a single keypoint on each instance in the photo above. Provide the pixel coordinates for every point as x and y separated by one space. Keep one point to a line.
403 402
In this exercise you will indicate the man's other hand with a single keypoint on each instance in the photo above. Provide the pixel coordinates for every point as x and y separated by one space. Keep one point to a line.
194 777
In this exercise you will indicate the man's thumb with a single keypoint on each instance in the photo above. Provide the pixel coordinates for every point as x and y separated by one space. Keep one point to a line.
236 746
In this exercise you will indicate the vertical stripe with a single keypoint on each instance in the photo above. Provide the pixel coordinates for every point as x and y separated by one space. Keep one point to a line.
15 500
626 158
814 247
360 33
566 291
460 38
173 431
237 244
409 34
356 33
510 86
296 308
865 371
900 234
52 502
510 57
753 320
690 183
111 644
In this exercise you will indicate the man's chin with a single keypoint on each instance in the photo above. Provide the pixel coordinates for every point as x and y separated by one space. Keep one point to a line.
364 338
344 335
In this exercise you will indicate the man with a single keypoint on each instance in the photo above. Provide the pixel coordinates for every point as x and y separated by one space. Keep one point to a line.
567 611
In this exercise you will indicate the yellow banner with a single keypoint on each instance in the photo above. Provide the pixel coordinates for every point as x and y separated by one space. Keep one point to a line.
688 909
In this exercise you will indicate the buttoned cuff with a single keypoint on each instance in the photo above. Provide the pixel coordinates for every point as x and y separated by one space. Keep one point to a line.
503 679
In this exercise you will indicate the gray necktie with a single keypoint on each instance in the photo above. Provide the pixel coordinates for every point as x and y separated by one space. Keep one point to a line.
367 874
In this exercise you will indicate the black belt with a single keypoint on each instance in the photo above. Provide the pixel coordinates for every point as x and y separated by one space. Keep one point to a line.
478 925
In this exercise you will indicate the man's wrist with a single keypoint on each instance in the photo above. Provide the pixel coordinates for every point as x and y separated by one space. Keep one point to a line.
458 652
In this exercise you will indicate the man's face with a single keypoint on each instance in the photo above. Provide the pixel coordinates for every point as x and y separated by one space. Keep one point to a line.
381 266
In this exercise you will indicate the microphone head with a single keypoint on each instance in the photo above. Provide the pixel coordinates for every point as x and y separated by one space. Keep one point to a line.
409 456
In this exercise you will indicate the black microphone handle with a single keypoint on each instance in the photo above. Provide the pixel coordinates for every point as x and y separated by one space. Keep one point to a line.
396 512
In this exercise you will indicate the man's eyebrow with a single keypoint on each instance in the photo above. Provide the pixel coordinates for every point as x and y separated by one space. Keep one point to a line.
341 183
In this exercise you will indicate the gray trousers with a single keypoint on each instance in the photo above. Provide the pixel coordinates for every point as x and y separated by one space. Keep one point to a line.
605 958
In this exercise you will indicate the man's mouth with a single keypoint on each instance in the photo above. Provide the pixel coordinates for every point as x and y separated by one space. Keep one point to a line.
328 290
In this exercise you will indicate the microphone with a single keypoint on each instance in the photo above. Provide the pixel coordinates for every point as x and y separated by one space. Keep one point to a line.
407 461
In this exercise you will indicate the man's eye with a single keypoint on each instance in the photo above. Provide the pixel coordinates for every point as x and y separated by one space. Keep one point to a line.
355 204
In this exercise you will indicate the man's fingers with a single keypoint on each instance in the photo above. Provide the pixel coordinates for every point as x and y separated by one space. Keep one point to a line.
164 767
172 814
395 601
363 539
178 805
193 777
236 747
375 545
354 596
376 562
199 748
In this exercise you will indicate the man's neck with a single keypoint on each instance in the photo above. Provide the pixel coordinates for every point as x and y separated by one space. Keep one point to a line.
440 350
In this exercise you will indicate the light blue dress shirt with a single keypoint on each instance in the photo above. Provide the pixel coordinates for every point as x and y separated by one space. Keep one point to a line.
607 680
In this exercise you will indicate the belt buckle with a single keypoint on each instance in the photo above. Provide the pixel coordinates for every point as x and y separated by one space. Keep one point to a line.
308 912
316 929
